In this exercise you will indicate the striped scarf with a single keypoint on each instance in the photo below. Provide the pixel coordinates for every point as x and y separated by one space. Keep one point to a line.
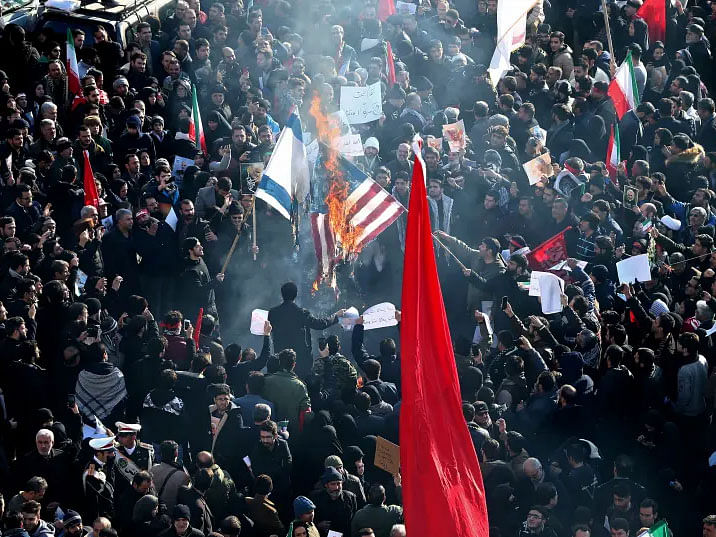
98 394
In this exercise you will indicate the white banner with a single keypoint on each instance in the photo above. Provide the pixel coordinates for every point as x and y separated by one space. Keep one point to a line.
362 105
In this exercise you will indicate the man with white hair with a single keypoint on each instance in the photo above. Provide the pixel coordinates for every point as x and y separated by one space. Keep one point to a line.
398 530
45 461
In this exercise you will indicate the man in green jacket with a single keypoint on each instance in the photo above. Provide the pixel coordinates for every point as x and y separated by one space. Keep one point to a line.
287 392
376 514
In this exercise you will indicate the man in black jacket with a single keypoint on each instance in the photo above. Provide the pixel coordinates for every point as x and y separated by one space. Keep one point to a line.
292 327
335 506
195 282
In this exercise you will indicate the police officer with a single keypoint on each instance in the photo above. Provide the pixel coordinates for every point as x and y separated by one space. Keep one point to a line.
98 479
132 456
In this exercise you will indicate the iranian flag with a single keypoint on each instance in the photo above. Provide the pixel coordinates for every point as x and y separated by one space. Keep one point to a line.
623 89
73 73
613 152
196 127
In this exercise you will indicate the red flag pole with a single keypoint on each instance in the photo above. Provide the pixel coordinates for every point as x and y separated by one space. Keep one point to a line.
436 452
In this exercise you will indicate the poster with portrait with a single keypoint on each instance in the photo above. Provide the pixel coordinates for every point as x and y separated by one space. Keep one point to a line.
251 176
631 197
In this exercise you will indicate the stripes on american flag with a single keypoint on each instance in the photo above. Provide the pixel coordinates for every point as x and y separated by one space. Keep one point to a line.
371 209
324 244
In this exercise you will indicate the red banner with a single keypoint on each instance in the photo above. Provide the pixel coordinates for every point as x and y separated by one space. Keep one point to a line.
549 253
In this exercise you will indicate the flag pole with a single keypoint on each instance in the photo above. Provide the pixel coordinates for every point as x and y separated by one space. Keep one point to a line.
253 223
612 62
463 267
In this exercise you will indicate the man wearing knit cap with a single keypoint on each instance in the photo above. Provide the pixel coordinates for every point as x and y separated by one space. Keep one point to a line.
98 479
181 527
370 161
304 510
350 482
72 525
335 507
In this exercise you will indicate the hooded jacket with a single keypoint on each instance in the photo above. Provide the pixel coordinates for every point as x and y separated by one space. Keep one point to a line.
678 169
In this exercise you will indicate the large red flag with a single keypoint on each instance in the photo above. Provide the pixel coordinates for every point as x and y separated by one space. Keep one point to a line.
91 195
443 493
549 253
654 13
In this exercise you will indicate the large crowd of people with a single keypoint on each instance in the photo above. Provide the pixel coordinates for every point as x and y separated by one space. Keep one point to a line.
123 415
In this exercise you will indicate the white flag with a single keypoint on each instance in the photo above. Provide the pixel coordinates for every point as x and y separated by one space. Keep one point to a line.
511 30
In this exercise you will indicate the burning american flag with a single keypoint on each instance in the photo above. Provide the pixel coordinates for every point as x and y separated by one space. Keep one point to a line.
348 208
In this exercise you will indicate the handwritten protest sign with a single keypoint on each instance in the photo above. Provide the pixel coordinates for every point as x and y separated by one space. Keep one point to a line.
349 145
537 167
379 316
455 135
258 318
362 105
387 456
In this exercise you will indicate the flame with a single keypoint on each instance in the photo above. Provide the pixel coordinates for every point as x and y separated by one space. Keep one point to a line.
328 132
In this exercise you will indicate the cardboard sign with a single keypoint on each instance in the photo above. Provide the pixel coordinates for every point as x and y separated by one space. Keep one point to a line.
455 135
258 318
537 167
387 456
379 316
362 105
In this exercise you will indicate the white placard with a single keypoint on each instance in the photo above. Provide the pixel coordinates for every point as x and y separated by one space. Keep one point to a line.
405 7
258 318
549 288
635 268
349 145
362 105
332 533
379 316
348 320
172 219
